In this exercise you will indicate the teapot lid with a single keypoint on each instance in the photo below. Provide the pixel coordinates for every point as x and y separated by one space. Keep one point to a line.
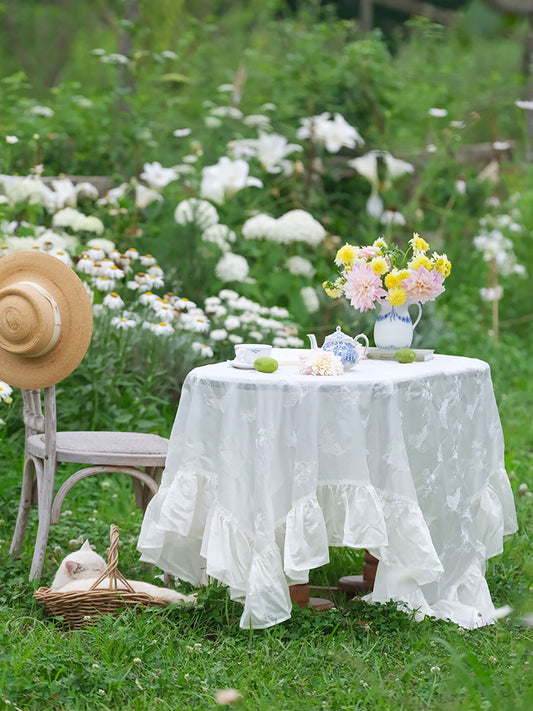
338 336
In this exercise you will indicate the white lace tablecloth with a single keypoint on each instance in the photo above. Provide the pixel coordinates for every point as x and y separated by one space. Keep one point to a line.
265 471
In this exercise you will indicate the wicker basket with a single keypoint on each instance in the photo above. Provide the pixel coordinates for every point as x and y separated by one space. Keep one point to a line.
80 609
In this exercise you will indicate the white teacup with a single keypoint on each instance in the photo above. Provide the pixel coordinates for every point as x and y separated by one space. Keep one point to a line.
247 353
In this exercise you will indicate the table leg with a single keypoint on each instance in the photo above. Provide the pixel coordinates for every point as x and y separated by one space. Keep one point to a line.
300 595
352 585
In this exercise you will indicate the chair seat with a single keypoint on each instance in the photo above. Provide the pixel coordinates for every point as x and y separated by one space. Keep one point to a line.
105 448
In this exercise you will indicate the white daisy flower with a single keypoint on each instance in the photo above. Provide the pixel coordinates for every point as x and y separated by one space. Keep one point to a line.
5 392
218 334
123 323
113 301
147 298
132 254
163 309
103 283
232 322
161 329
203 349
147 260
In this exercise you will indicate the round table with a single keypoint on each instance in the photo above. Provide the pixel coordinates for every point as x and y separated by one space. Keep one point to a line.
265 471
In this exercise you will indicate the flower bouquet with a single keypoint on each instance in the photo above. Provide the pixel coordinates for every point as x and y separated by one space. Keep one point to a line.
382 274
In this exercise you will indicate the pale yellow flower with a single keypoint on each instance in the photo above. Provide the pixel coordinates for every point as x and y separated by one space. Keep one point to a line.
333 288
379 265
346 255
418 243
421 261
442 264
380 244
397 296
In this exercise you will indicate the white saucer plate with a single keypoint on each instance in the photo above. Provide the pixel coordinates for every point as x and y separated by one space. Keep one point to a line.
241 366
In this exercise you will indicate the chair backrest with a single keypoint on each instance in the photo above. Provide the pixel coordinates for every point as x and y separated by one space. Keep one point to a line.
39 421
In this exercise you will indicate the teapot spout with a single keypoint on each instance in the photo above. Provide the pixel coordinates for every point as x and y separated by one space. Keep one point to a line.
312 338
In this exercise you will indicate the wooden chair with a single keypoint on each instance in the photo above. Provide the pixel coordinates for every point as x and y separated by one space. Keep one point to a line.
142 456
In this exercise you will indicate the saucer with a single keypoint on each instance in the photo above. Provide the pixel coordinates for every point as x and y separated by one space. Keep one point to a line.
242 366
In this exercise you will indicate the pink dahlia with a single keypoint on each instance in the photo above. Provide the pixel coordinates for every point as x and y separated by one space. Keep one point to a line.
363 287
367 252
423 285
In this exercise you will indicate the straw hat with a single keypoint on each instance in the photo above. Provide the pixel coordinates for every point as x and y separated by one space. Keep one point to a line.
45 320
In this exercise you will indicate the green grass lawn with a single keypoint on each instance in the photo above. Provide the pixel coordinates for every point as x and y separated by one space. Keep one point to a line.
355 656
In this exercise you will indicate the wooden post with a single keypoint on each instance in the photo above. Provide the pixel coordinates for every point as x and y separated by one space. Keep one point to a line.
366 15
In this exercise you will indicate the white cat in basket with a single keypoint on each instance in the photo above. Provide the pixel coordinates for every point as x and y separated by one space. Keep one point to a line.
85 587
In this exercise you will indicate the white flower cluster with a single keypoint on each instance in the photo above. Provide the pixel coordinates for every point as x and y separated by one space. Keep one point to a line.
124 289
32 190
235 319
498 250
38 237
494 245
230 267
293 226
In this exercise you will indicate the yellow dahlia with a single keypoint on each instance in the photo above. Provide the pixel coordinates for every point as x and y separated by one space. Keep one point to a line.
397 297
379 265
421 261
442 264
395 278
418 243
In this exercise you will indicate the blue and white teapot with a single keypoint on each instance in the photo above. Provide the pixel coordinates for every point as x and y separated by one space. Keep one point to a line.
342 345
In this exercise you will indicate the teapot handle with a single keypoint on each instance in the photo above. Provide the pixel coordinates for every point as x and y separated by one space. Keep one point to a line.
419 304
362 335
312 339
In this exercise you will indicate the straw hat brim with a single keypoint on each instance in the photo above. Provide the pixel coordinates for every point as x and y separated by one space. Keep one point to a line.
36 288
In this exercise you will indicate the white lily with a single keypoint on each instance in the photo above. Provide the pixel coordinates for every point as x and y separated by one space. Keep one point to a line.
225 179
156 176
367 166
271 151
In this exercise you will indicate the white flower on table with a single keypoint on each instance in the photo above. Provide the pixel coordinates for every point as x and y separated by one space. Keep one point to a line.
320 362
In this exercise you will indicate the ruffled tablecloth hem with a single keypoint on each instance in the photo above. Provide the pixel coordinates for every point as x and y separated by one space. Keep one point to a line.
258 570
